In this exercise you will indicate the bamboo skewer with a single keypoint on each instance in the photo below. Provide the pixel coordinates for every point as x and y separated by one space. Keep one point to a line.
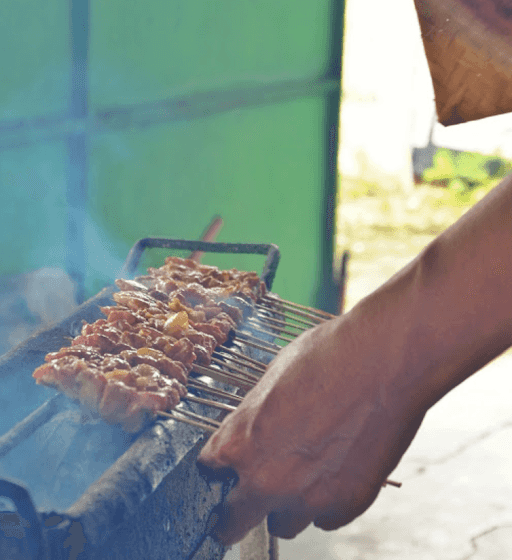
216 358
299 306
309 324
204 427
280 330
225 377
197 417
235 370
201 386
261 345
208 402
392 483
259 329
276 323
254 338
239 355
283 309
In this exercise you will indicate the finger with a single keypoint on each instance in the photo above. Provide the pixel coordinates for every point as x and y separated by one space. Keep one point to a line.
287 525
227 447
238 515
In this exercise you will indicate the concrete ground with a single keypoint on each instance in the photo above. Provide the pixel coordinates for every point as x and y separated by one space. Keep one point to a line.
456 498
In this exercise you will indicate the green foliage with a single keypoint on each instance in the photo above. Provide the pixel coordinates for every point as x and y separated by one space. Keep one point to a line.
464 171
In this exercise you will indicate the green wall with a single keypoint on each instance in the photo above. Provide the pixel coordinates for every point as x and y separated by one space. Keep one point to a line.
195 109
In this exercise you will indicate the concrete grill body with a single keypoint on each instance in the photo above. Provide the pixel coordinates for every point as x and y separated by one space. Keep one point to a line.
83 490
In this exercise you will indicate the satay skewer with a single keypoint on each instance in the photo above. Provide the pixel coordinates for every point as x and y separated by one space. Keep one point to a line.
275 308
198 417
224 377
292 304
276 323
253 327
247 339
209 402
243 333
236 370
185 420
216 358
259 365
280 330
285 314
199 385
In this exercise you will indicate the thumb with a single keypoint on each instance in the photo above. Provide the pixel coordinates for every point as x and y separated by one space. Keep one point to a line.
239 513
287 524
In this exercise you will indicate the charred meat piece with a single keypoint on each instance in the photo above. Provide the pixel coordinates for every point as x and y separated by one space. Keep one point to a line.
134 300
62 374
203 339
194 295
182 351
235 313
117 313
133 339
91 328
212 330
92 385
243 306
111 362
130 285
100 342
158 360
116 401
79 350
203 357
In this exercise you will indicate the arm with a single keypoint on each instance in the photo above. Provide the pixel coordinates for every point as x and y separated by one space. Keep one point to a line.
338 407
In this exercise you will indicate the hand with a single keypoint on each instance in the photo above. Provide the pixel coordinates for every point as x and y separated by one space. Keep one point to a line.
317 436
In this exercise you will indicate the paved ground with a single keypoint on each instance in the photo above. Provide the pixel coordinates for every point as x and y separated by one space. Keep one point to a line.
456 498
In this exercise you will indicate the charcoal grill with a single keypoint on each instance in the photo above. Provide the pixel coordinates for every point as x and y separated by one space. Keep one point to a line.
88 490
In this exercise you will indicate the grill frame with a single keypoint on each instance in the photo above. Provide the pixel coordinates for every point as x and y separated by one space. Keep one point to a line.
130 511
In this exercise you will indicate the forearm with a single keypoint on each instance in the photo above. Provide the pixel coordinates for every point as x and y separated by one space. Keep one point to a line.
449 312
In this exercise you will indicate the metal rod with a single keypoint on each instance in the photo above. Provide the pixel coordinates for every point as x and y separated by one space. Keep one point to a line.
208 402
201 386
241 356
299 306
24 429
224 377
185 420
285 314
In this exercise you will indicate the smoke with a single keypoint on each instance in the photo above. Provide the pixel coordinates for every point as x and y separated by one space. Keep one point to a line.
49 293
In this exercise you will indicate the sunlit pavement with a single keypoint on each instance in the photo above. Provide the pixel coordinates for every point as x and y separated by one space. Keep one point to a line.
456 498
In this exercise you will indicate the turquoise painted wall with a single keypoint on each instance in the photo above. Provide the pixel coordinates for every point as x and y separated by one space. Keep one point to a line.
263 165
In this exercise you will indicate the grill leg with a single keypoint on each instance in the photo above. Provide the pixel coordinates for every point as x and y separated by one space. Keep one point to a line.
259 545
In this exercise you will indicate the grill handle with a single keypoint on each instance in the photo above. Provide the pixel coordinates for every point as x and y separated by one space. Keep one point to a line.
25 521
270 250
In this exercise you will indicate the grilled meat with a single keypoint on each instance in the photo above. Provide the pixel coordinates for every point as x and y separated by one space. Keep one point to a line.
136 361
